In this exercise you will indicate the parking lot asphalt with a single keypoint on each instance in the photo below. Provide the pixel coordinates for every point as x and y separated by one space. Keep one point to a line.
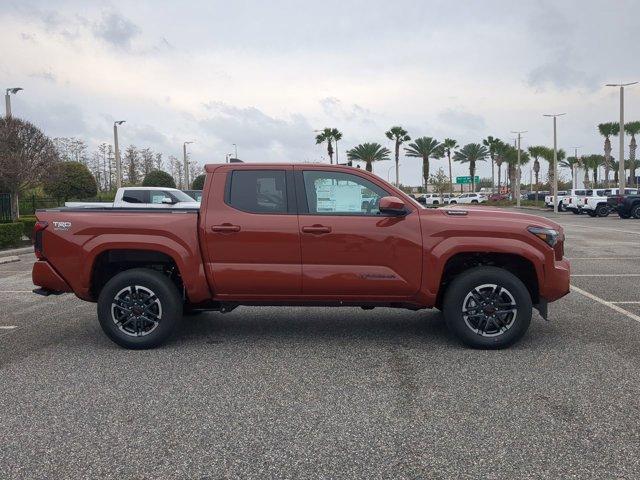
331 392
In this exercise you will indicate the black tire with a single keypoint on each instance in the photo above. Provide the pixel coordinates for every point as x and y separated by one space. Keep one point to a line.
603 210
474 201
460 292
151 295
624 216
591 213
575 211
561 207
452 202
635 211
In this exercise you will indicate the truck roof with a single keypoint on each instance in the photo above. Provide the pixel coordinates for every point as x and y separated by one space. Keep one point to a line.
211 167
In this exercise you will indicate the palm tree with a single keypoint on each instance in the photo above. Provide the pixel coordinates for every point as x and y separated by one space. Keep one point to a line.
329 135
537 151
569 162
399 135
472 153
501 151
511 157
547 154
449 144
368 153
632 128
592 162
607 130
425 147
493 144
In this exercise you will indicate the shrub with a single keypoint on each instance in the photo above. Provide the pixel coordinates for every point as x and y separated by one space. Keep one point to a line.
28 222
70 180
10 234
158 178
198 182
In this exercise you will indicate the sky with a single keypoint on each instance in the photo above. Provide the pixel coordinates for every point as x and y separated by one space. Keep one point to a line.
265 75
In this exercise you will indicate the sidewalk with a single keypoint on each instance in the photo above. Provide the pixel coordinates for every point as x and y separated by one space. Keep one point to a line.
15 251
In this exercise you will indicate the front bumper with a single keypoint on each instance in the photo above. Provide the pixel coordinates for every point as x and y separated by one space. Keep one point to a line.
557 280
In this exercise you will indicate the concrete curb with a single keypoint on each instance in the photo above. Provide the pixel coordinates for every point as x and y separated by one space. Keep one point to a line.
10 259
15 251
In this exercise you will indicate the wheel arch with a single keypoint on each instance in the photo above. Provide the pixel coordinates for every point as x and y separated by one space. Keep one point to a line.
514 256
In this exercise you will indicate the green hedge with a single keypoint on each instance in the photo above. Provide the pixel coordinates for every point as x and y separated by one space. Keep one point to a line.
28 222
10 234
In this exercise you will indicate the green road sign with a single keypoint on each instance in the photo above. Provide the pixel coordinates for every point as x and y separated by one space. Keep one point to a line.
467 179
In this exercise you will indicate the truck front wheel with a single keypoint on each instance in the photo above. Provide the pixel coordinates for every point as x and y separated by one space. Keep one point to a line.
487 307
139 308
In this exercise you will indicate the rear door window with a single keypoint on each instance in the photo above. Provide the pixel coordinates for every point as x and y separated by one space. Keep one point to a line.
258 191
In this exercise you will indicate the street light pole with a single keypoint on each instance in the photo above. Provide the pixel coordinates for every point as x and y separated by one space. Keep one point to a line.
117 152
7 98
554 191
186 165
235 150
389 173
518 169
621 171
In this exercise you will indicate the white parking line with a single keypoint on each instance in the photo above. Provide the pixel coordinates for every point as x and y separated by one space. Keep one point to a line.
602 258
628 303
16 291
605 274
7 327
611 305
602 228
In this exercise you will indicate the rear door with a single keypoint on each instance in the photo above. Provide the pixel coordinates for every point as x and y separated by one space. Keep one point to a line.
251 233
348 247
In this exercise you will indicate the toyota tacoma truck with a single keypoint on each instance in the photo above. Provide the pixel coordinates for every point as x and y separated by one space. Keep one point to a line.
307 235
627 206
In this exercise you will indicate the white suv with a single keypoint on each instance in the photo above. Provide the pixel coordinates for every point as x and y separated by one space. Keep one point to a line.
469 198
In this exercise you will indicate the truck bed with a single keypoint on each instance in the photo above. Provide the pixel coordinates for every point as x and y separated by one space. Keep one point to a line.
76 238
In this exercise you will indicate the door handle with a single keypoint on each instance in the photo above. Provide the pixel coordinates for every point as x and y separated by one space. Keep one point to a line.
316 229
225 228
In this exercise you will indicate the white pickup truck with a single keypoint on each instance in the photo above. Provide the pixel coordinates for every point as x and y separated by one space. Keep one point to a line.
574 200
548 200
596 205
143 197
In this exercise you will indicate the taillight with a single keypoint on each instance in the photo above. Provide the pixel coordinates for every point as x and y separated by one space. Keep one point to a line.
38 230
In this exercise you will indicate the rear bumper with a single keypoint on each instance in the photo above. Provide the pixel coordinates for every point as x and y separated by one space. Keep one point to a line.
43 275
557 280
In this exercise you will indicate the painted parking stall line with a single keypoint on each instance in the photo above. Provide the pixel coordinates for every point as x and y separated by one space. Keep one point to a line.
611 305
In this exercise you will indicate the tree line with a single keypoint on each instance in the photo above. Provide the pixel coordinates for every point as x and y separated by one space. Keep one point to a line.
137 163
491 148
64 168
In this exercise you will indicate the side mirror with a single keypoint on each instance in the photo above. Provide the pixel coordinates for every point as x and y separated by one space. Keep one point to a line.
167 201
392 205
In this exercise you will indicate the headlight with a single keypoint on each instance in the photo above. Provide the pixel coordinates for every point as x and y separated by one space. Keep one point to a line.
548 235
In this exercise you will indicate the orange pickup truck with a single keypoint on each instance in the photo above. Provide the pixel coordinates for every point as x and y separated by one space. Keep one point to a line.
298 234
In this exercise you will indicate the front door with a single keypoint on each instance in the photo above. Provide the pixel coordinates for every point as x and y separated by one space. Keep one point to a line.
350 249
251 231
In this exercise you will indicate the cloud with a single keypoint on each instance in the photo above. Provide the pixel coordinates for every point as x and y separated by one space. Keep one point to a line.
462 120
257 128
559 73
334 107
43 75
116 30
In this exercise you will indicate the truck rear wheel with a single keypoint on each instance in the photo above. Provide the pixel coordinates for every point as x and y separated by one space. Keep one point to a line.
139 308
487 307
602 210
635 211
